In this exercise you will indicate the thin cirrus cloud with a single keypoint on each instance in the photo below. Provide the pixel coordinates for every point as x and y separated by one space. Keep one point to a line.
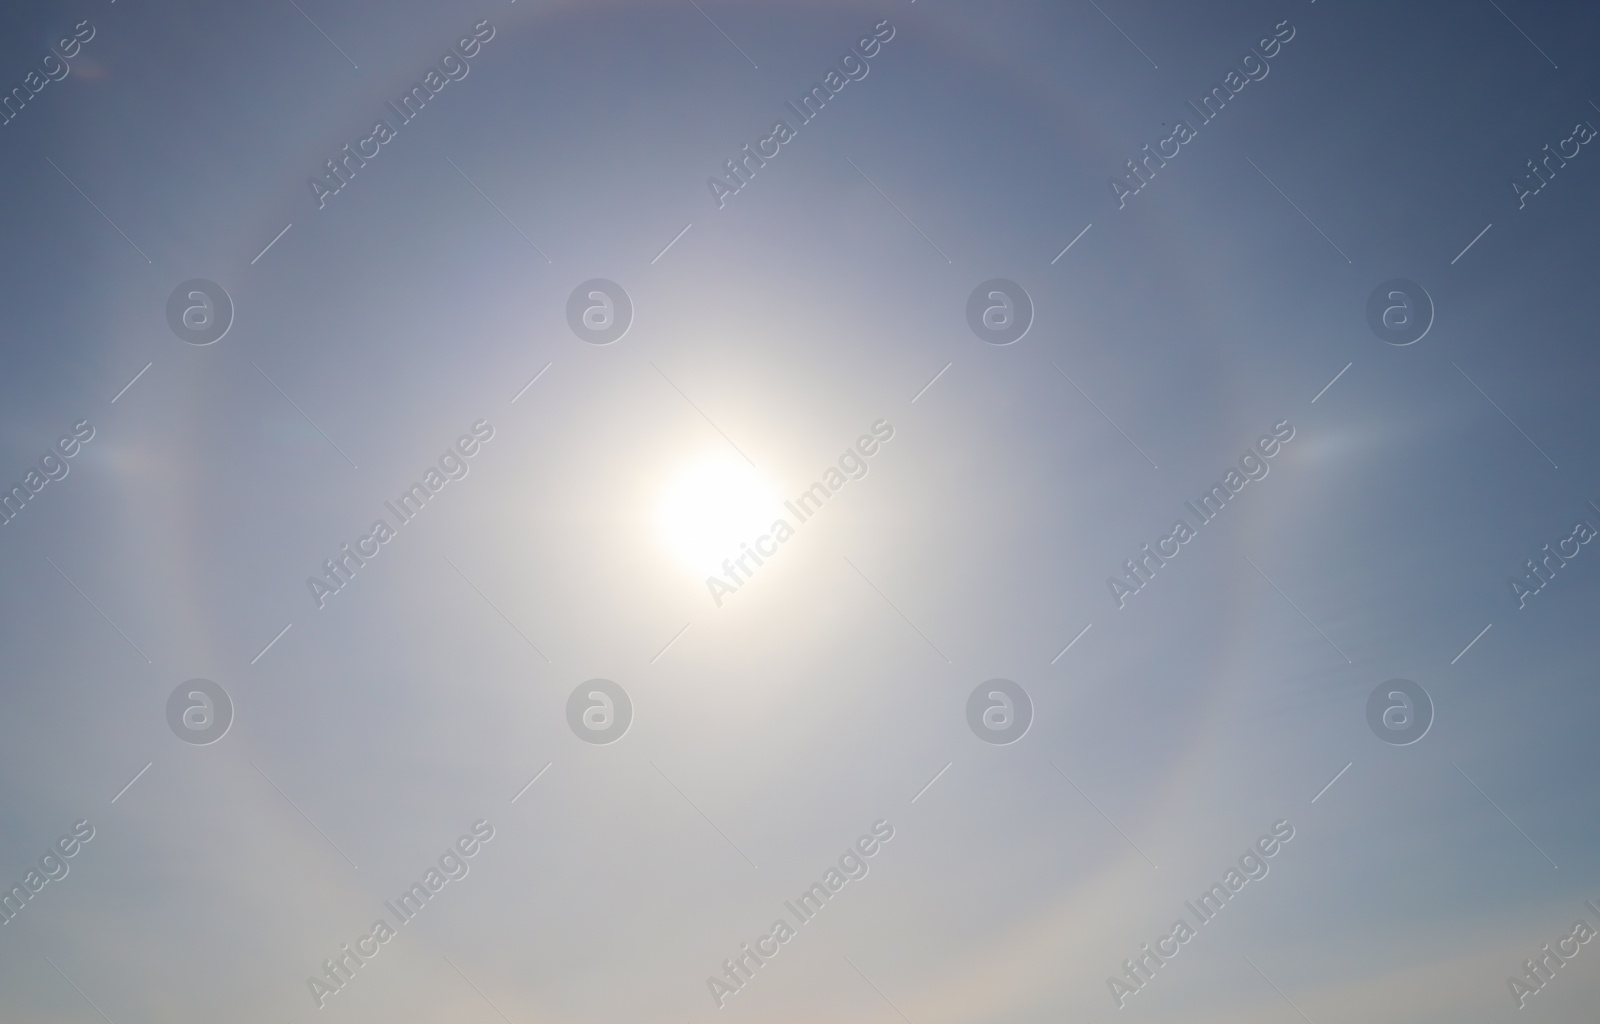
445 679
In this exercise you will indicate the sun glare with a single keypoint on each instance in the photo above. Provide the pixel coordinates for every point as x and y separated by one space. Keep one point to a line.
712 506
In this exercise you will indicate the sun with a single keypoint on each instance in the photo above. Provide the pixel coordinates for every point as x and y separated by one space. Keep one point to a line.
712 505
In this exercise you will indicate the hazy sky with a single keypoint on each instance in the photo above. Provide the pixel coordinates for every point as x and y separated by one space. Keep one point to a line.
530 327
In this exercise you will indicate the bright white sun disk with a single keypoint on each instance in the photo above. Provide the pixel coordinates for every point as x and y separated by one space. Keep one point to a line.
712 506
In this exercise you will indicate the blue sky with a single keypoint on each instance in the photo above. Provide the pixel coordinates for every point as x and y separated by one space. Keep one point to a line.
770 731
